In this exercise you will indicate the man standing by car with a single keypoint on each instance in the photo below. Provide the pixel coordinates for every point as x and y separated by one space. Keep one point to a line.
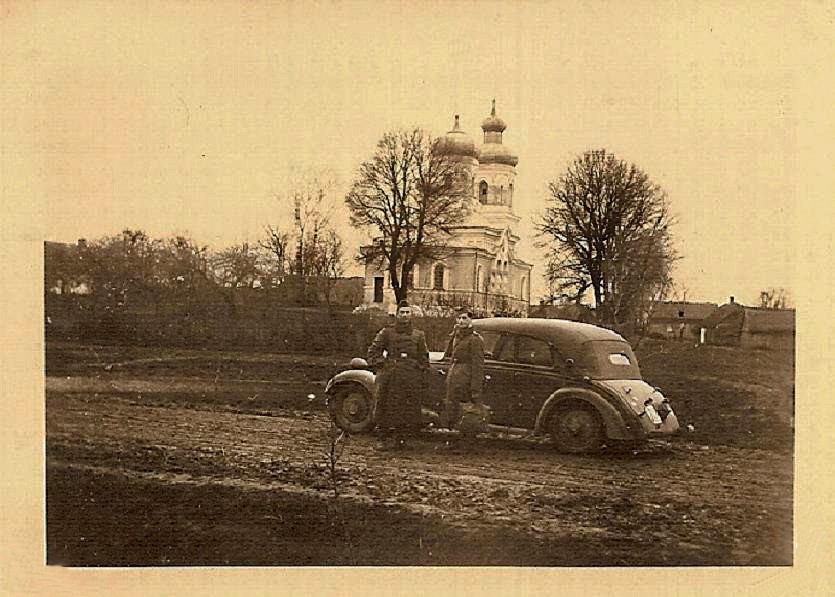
466 375
401 359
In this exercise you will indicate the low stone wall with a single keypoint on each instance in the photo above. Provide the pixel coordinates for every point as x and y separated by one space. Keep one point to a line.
278 329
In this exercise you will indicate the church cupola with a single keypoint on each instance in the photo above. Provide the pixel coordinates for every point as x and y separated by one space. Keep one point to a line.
494 151
460 144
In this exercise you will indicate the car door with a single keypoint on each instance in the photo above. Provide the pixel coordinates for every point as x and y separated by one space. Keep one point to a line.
499 364
436 385
537 374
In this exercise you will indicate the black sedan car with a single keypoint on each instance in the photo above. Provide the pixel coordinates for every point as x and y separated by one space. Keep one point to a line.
577 383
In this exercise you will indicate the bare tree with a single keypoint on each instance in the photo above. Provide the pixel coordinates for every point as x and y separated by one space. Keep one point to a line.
184 270
63 267
775 298
305 248
278 246
132 270
182 261
312 218
325 264
123 270
606 229
236 267
680 291
411 193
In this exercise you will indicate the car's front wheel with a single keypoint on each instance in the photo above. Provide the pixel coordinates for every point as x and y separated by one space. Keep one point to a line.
575 428
351 407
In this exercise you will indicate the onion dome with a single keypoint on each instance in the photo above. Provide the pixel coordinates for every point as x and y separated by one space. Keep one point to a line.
496 153
459 143
493 124
493 151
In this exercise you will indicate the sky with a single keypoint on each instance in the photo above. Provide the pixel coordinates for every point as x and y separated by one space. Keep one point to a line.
195 117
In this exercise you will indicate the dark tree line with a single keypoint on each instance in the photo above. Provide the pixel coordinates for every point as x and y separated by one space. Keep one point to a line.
133 270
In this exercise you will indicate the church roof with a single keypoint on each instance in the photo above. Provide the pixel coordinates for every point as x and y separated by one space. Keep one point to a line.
493 151
493 124
459 143
496 153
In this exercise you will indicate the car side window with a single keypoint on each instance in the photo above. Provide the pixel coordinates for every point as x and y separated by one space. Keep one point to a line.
532 351
491 340
503 350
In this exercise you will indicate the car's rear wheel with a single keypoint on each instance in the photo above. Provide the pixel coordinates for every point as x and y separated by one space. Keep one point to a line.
351 407
576 428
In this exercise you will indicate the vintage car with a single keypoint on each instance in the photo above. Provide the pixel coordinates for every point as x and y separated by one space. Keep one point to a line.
577 383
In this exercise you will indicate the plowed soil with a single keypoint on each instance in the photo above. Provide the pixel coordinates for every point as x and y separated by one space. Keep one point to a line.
177 458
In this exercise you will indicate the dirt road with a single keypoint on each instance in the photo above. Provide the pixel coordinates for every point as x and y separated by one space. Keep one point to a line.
155 478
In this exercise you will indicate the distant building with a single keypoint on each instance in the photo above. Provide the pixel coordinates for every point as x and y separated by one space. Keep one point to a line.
481 269
667 318
569 311
733 324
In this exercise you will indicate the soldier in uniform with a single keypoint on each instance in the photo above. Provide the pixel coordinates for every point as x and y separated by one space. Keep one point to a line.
401 359
466 376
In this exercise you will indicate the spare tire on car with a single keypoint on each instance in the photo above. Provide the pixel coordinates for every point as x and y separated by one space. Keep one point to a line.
351 407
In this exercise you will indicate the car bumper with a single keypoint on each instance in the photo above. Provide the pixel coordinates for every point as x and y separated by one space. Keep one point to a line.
667 426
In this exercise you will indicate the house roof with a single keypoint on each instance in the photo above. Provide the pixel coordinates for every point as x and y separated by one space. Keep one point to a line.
722 313
768 320
671 309
754 319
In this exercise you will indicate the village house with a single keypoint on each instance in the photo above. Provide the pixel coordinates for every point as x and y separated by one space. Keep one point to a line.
673 319
733 324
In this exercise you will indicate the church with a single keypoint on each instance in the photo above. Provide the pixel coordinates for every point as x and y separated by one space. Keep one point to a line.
480 269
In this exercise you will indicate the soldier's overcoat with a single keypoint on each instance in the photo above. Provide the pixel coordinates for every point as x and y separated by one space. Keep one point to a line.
400 356
465 379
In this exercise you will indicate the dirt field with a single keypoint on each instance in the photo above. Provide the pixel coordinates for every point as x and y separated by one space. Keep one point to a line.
164 457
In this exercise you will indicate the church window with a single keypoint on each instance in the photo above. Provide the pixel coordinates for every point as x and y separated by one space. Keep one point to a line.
510 199
479 279
523 288
438 277
482 191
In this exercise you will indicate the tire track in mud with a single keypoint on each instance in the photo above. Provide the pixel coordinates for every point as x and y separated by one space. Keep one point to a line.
691 499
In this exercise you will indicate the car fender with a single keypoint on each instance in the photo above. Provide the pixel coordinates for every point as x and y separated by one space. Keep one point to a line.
363 377
616 427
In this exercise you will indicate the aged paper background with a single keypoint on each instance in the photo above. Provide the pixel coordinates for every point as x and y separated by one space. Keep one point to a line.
25 175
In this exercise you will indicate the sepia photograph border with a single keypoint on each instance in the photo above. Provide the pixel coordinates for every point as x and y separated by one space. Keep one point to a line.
22 558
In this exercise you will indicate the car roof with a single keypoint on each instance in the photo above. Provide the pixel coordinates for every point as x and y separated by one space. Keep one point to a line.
557 331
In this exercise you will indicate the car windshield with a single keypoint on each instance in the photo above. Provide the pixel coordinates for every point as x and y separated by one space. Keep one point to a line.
609 359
